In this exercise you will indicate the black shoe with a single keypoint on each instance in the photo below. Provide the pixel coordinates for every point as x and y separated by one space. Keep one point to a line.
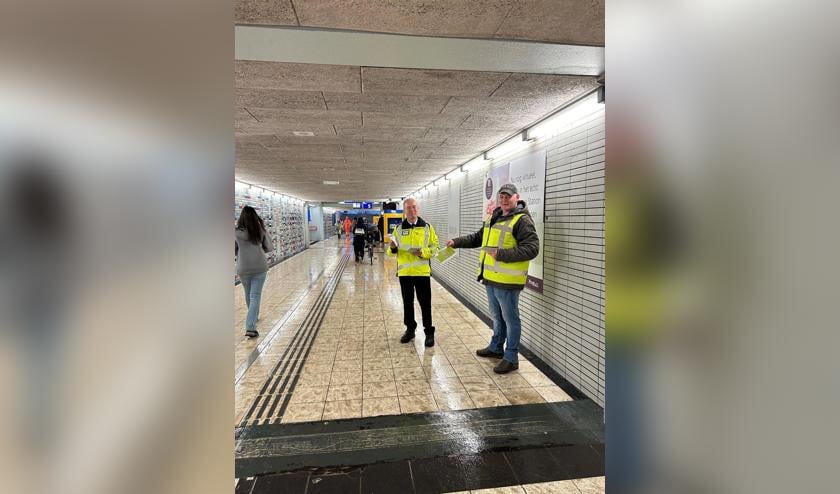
406 337
251 334
504 367
485 352
430 340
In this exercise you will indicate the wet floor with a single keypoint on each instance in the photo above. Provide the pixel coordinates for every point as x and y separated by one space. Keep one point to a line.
329 365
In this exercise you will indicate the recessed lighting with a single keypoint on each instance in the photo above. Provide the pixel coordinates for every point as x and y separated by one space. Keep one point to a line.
303 133
330 182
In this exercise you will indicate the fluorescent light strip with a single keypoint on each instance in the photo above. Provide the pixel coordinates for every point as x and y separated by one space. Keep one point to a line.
510 146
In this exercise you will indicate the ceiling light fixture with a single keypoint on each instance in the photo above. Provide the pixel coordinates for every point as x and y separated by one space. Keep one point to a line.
565 118
510 146
330 182
303 133
474 164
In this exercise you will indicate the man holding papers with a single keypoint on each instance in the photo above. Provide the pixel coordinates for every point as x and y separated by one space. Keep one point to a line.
508 242
414 243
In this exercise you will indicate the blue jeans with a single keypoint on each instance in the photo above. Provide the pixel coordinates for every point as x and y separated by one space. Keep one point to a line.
504 305
253 285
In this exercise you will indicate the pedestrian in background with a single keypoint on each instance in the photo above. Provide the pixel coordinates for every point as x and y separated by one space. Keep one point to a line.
252 243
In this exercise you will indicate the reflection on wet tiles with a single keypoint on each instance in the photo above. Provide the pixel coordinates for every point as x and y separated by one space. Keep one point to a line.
439 371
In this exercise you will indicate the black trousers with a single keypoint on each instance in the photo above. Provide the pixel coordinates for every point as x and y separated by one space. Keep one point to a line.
423 286
359 248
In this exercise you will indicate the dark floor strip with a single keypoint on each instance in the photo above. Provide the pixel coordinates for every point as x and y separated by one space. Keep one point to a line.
490 469
356 442
293 358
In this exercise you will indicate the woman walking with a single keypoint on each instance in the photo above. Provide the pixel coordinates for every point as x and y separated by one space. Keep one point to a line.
252 243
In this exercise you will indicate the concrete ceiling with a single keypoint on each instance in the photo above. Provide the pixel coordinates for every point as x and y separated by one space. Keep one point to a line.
576 22
400 116
380 132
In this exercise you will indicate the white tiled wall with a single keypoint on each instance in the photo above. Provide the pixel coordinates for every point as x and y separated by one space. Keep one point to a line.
564 326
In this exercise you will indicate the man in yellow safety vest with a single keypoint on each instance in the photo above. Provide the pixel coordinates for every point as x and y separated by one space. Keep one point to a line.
415 242
508 242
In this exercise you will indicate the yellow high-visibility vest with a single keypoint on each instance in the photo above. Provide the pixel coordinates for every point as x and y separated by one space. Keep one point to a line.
500 236
424 239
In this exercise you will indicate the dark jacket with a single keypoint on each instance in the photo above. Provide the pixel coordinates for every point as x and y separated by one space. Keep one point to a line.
527 241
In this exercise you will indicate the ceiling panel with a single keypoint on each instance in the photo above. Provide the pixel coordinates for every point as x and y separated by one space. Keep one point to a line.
407 127
554 87
305 117
296 76
500 105
274 12
278 98
474 18
284 128
398 134
431 82
559 21
379 119
385 102
578 22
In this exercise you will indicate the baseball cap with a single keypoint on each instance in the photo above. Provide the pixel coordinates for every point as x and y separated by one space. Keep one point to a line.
508 189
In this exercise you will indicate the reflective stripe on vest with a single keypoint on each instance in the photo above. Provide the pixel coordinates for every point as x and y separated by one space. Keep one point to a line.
509 273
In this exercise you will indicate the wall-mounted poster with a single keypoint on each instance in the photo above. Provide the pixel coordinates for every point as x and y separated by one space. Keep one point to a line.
528 174
493 179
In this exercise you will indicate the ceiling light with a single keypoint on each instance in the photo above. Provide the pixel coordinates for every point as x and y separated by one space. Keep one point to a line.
303 133
474 164
565 118
510 146
453 174
330 182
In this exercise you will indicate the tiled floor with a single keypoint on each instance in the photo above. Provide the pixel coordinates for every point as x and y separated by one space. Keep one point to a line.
593 485
356 366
